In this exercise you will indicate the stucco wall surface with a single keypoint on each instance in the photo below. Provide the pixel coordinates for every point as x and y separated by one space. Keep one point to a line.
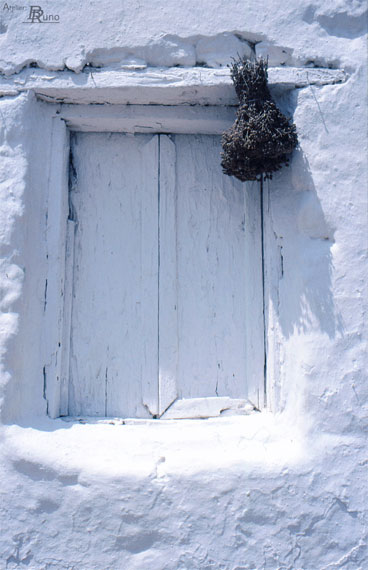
284 489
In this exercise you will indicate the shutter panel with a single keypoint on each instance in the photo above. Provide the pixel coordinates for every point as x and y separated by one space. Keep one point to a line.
166 316
217 348
113 353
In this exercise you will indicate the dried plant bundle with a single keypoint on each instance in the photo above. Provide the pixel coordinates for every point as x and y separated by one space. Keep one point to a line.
259 141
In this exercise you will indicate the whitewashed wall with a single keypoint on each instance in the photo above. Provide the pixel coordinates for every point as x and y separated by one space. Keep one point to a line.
281 490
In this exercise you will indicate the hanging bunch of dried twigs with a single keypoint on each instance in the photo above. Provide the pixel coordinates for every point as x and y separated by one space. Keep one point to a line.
261 138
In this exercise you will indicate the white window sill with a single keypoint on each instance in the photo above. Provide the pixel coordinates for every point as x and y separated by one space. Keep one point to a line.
155 448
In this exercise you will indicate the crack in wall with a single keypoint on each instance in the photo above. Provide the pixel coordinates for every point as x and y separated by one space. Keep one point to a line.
73 180
45 296
106 381
44 391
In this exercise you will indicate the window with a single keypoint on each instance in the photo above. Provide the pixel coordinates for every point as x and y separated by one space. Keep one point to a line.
163 292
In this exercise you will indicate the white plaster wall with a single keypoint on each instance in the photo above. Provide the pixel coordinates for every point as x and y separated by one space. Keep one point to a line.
281 490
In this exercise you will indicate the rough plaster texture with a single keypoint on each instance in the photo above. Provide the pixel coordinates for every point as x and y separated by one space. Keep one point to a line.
157 33
279 490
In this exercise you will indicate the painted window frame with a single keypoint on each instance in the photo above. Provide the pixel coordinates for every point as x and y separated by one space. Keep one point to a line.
180 99
210 120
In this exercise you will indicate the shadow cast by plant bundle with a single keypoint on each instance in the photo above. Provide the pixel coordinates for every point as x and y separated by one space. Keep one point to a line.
260 140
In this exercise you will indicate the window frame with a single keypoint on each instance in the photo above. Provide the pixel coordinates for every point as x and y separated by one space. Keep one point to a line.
209 120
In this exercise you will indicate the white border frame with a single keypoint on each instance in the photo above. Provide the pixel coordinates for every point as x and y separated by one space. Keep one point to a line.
213 120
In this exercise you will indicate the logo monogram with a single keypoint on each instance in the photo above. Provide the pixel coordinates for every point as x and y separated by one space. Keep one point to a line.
35 14
38 16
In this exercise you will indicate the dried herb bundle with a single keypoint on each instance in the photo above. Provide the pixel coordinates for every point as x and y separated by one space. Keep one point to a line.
261 138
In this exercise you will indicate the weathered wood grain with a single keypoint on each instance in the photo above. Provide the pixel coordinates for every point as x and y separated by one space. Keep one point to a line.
113 356
214 277
167 286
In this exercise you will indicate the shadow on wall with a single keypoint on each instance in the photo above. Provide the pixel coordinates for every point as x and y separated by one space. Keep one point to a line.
299 240
303 240
342 22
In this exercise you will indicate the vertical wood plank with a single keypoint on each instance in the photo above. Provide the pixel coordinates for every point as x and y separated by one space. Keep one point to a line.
168 314
149 281
219 278
68 293
57 208
113 355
